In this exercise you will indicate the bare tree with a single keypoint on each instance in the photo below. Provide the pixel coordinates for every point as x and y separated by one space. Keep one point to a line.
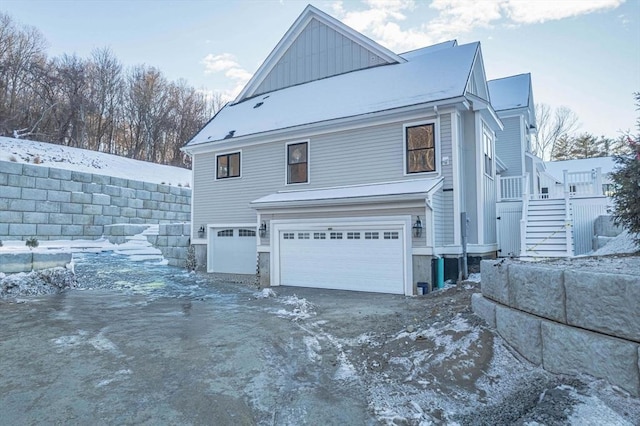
552 124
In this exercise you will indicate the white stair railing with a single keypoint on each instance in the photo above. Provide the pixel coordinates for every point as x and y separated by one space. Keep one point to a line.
525 211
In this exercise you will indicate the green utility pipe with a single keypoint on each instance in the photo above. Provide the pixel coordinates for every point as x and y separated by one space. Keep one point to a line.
440 271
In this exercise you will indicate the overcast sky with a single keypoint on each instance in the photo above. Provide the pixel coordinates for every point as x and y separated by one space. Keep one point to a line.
583 54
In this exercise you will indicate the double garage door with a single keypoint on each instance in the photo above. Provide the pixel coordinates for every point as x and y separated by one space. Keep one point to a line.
360 259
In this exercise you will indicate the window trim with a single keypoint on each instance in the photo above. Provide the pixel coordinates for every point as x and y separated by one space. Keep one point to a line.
487 132
436 143
286 162
226 154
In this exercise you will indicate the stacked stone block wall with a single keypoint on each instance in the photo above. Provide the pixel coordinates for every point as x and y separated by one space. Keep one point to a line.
53 204
567 321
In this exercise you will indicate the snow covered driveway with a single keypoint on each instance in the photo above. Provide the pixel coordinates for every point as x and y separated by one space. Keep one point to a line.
150 344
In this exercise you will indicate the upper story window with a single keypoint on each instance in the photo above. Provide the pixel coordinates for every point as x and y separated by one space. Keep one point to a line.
487 144
420 148
228 165
298 162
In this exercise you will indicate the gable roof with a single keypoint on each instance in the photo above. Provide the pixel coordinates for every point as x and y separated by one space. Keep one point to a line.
431 74
359 51
511 92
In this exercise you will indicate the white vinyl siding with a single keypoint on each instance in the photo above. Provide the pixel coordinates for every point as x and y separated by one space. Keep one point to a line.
362 156
489 210
509 146
446 150
318 52
443 218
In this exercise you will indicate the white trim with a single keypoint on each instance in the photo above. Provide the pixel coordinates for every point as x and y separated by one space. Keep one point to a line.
401 222
422 251
436 144
286 162
392 204
227 152
458 193
481 248
396 115
263 249
479 177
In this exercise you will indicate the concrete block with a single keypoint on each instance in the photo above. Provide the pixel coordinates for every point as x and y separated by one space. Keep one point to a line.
166 206
135 184
34 194
71 230
22 230
597 242
48 230
92 231
138 220
81 177
568 350
116 181
111 210
10 217
50 260
80 197
46 183
171 216
22 181
33 217
183 216
11 168
604 226
178 241
151 187
4 229
4 179
37 171
149 204
128 193
141 194
135 203
170 198
484 308
603 302
537 290
92 188
60 218
186 208
153 239
60 174
174 190
157 196
10 192
114 230
143 213
101 179
92 209
128 212
113 191
521 331
164 189
162 241
103 220
11 263
59 196
70 208
171 229
48 207
119 201
82 219
21 205
263 264
101 199
495 280
158 215
186 229
71 186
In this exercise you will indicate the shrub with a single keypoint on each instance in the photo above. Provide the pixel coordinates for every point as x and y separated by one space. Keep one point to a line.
191 263
32 242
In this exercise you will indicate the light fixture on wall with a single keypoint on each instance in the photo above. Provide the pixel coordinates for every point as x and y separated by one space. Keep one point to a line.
417 228
202 232
263 229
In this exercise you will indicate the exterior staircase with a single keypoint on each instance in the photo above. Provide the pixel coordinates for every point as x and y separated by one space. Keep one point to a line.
548 231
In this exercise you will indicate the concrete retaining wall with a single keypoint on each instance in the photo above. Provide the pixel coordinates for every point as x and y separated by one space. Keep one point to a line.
565 320
53 204
32 261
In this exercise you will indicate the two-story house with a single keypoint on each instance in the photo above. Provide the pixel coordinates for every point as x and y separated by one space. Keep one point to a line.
344 165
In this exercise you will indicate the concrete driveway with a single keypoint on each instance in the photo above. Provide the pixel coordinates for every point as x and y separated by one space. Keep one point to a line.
153 345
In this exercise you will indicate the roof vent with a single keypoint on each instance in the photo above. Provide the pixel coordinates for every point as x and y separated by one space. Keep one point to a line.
230 134
259 104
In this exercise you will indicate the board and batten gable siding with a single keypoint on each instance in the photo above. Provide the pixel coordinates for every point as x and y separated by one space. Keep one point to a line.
490 236
509 146
353 157
443 218
318 52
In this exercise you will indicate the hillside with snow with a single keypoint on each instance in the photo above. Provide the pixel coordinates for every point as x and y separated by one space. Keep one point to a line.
83 160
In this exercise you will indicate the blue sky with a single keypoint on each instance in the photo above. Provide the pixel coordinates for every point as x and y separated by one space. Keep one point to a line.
583 54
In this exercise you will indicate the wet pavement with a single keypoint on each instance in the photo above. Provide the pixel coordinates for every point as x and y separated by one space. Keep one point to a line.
139 343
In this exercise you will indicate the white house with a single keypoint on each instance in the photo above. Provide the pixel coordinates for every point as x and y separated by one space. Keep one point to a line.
344 165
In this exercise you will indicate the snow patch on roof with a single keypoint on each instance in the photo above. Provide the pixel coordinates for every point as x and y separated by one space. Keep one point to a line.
428 76
510 92
418 186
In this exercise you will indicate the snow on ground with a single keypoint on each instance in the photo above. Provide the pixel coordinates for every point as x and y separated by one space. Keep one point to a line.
83 160
622 244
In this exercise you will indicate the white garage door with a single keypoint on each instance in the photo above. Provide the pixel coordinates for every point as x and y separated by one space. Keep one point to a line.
369 260
232 251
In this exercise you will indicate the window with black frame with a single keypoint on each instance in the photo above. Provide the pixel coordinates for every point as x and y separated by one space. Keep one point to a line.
297 163
228 165
421 148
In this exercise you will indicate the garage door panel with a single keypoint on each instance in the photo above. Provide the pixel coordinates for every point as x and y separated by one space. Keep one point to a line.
233 253
373 265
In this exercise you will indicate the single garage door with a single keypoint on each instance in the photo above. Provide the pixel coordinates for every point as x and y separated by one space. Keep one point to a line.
369 260
232 251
